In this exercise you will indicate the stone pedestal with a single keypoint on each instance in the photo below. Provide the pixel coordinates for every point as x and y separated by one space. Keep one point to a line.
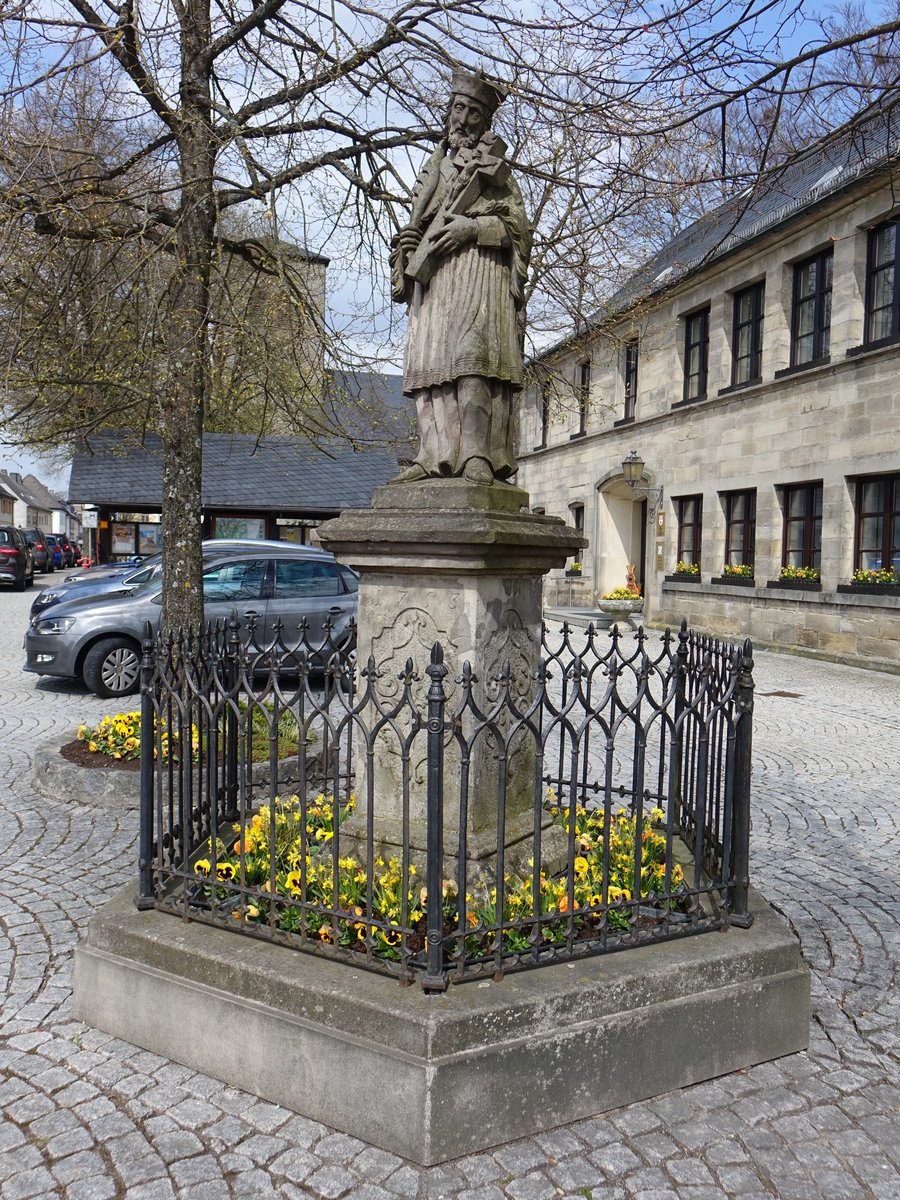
463 565
466 1070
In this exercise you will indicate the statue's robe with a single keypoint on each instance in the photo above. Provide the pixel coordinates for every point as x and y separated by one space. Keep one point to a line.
462 326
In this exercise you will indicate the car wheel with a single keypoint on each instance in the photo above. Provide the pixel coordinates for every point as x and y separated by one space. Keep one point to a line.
112 668
19 585
30 580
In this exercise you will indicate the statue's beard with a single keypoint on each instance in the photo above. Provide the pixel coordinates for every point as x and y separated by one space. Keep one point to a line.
463 141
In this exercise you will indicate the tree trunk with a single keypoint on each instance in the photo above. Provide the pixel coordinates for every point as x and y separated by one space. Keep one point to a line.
184 403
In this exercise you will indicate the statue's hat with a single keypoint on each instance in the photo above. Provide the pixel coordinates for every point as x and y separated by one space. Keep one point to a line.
478 87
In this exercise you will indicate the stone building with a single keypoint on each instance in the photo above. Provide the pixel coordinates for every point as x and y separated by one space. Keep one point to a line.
753 365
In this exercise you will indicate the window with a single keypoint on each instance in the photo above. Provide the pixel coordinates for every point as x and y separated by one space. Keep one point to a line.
234 580
297 578
577 511
882 313
802 545
690 514
740 528
811 314
584 395
878 524
545 416
696 355
631 378
350 578
746 345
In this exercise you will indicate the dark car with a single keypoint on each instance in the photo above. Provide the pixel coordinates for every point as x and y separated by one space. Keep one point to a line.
276 587
41 552
16 560
68 554
55 549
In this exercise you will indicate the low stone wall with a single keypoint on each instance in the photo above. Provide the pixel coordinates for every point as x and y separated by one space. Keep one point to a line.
59 779
109 787
862 630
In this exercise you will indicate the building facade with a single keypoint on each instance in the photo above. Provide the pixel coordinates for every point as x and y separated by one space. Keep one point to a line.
754 365
29 509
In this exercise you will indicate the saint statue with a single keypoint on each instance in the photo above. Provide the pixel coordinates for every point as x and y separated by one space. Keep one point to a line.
461 264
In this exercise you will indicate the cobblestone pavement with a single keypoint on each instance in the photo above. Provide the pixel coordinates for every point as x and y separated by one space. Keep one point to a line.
88 1117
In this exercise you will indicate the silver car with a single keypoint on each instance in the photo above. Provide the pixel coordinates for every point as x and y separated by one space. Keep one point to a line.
98 638
126 576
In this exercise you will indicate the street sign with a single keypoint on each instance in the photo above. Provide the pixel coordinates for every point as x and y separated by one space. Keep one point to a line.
89 518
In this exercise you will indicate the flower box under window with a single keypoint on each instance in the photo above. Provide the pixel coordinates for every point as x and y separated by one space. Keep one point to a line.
796 585
737 580
870 589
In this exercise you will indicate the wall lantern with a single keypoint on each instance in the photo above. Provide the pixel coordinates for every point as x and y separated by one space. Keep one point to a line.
633 470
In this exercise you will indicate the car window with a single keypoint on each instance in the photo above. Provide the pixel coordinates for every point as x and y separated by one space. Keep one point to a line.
350 578
143 575
239 579
5 537
299 578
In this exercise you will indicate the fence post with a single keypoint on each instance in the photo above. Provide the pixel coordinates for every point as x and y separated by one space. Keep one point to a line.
677 755
433 980
232 656
145 899
740 824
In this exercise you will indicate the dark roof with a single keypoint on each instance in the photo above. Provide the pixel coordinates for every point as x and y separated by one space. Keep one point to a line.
861 148
240 472
16 485
48 499
370 405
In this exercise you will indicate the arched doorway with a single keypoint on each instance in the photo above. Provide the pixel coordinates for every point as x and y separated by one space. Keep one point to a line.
621 535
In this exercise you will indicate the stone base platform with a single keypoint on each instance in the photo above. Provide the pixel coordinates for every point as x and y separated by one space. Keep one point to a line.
433 1077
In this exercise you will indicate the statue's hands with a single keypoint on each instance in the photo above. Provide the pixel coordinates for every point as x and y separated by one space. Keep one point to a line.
458 232
408 239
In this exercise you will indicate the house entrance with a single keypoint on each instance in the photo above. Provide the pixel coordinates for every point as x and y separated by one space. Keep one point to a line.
621 536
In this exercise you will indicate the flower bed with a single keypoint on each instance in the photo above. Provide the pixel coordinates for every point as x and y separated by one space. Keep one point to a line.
289 885
800 575
116 740
887 576
622 593
885 582
795 585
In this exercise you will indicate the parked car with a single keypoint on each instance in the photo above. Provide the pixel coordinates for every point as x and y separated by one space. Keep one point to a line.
125 576
43 555
16 559
68 554
97 638
55 549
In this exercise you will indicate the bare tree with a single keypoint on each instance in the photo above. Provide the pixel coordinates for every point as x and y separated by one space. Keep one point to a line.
307 118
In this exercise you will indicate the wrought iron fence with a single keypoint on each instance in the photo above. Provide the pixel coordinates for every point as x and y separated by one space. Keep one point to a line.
600 805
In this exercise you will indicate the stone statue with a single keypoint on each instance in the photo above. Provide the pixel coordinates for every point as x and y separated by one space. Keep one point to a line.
461 264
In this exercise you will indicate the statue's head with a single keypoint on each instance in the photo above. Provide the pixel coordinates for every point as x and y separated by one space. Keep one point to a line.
473 102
